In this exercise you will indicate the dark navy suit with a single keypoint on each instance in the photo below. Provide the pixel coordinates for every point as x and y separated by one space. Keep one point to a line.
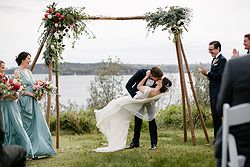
214 76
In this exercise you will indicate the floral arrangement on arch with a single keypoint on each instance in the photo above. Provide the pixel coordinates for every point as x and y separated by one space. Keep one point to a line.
41 87
10 86
59 23
175 20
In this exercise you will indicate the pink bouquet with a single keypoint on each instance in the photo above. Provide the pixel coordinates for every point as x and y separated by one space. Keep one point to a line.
9 86
41 87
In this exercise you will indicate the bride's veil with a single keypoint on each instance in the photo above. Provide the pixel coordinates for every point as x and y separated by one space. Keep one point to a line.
146 109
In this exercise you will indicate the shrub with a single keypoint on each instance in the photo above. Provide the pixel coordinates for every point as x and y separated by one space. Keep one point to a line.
75 122
173 116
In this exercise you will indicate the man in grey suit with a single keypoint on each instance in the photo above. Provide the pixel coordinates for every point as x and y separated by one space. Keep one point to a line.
235 89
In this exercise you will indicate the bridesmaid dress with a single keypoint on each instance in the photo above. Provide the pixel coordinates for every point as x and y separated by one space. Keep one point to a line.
33 120
14 133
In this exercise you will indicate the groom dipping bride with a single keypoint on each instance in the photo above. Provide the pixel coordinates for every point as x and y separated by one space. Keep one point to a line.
146 87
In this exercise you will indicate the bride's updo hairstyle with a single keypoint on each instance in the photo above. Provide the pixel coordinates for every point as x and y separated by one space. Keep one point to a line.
166 84
22 56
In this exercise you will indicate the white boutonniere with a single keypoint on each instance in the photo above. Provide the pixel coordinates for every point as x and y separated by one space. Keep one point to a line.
215 61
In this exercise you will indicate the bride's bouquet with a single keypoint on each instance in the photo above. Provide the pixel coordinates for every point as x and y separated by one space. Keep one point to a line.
10 87
41 87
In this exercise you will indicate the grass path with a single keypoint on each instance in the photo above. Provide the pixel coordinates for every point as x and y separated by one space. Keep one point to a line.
77 151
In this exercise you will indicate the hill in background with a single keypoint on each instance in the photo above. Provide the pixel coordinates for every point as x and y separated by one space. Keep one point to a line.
90 68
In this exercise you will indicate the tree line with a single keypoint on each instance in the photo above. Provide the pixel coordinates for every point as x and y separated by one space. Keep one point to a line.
67 68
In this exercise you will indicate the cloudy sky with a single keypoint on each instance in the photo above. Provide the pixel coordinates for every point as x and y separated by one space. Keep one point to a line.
223 20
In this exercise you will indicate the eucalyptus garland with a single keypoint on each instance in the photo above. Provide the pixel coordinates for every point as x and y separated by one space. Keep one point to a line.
59 23
175 20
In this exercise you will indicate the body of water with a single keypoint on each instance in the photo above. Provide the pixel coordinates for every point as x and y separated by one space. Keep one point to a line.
74 89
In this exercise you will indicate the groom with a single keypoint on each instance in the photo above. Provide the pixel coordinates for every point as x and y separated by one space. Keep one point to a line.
131 86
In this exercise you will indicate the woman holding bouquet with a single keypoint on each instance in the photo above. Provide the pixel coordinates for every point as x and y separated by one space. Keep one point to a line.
12 123
33 120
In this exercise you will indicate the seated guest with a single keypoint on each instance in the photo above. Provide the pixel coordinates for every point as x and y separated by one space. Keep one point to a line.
12 155
235 90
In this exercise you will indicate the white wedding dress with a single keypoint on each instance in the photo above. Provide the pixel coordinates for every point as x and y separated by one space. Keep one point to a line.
114 119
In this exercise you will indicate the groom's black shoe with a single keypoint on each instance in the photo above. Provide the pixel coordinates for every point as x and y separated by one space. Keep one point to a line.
153 147
132 145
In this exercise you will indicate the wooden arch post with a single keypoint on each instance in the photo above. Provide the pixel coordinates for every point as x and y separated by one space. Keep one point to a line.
185 98
193 91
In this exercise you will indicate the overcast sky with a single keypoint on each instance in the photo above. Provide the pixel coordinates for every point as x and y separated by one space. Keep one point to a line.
223 20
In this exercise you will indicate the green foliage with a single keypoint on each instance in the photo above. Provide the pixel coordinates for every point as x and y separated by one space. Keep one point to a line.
206 113
173 116
201 85
175 20
106 85
59 23
75 121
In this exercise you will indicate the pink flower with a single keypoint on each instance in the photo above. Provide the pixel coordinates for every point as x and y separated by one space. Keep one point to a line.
62 16
46 15
57 14
11 81
50 10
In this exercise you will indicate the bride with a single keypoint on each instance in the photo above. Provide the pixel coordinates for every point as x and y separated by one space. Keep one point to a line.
114 119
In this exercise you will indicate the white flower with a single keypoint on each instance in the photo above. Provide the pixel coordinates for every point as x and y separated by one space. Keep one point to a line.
49 16
56 35
56 25
52 47
15 81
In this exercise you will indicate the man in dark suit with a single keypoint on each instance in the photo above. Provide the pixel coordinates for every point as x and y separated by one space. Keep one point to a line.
235 89
13 155
214 77
131 86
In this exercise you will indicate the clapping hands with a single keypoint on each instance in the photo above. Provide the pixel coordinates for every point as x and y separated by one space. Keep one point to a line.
203 71
235 53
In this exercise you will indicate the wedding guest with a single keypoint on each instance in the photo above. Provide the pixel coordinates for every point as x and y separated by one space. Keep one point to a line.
235 90
12 123
33 120
214 77
246 44
131 86
11 155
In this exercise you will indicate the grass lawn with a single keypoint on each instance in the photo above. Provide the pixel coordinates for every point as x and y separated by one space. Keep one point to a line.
77 151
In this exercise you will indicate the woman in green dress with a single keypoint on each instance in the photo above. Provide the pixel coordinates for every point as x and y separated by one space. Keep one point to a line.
14 133
33 120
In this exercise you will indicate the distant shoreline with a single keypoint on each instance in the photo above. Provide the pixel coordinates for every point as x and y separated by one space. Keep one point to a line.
90 68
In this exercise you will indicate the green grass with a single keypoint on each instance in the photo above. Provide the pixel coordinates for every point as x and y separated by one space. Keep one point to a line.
77 151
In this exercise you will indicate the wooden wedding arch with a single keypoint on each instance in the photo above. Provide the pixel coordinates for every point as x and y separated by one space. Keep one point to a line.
182 61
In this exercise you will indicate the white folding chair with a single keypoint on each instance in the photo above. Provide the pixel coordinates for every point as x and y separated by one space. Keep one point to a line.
235 115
